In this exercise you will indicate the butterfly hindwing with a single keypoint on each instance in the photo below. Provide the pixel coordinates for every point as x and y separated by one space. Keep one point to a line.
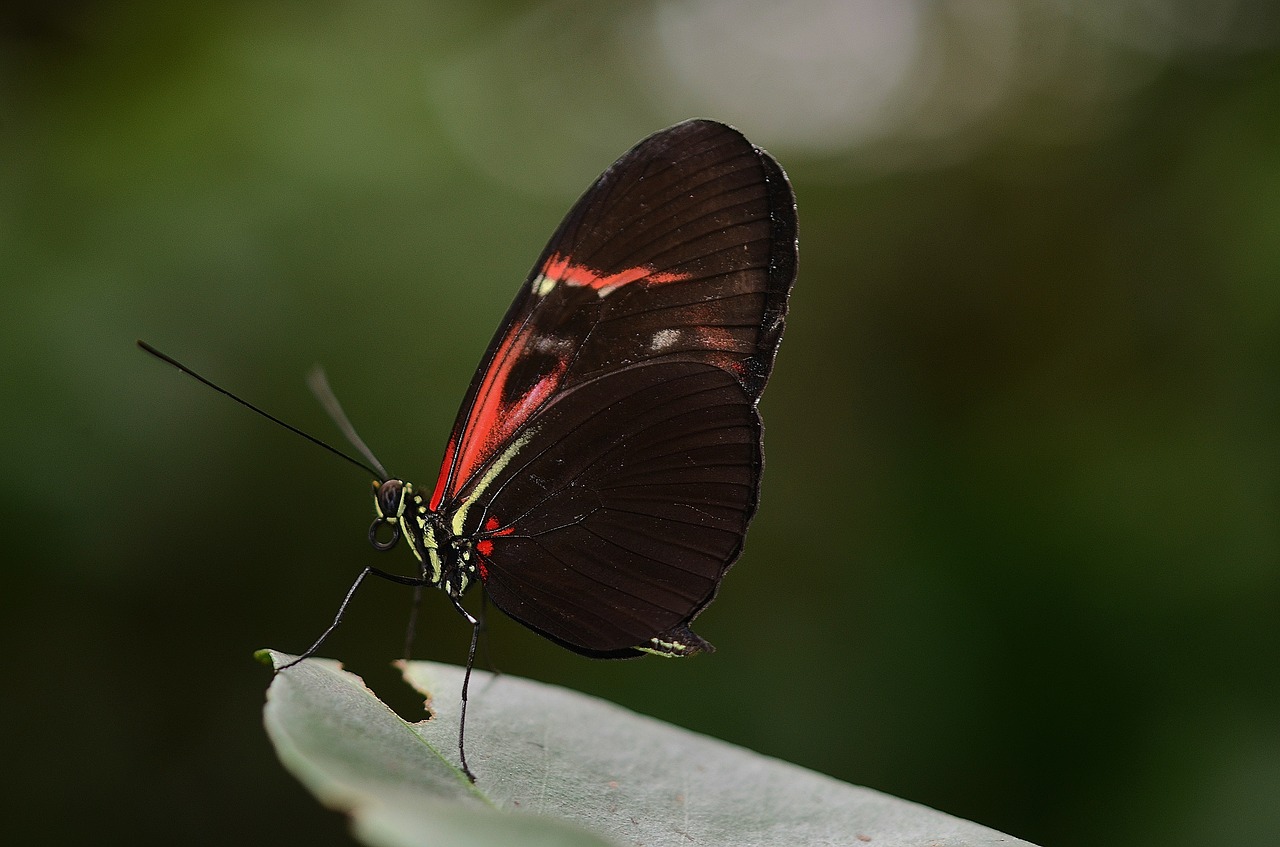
622 506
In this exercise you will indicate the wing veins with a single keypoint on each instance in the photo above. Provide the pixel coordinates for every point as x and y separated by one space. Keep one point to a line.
660 215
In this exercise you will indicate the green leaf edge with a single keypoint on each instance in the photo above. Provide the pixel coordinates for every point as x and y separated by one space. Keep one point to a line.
379 823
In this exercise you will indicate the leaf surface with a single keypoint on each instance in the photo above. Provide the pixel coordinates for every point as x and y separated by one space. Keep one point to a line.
557 767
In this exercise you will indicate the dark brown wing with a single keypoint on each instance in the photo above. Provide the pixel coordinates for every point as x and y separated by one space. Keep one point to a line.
683 251
615 518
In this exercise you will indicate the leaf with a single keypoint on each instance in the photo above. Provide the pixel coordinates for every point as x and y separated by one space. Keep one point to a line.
557 767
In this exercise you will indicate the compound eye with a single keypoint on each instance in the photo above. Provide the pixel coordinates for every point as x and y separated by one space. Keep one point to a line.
389 495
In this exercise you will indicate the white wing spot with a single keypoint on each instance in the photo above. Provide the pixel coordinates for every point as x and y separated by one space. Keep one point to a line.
552 345
664 339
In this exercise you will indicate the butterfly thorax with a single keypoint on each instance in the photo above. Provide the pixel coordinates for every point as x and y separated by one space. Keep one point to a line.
447 558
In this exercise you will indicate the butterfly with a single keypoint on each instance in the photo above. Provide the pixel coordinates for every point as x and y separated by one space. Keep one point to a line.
606 459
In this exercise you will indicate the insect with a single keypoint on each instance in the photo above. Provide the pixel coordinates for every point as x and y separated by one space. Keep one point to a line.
606 459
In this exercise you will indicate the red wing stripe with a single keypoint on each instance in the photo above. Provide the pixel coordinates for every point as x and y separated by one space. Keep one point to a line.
562 269
450 452
490 424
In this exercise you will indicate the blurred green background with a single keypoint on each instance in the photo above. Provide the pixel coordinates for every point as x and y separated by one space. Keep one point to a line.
1017 556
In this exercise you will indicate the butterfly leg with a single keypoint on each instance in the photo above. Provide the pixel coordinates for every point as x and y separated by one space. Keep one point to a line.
466 684
484 632
412 629
342 609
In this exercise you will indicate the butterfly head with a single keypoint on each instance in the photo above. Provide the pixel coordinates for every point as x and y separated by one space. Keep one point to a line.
389 500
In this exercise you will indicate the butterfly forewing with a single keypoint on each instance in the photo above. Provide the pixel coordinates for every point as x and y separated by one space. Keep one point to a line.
607 455
678 251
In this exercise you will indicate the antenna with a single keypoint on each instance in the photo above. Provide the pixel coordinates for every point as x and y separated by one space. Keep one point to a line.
319 385
379 473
